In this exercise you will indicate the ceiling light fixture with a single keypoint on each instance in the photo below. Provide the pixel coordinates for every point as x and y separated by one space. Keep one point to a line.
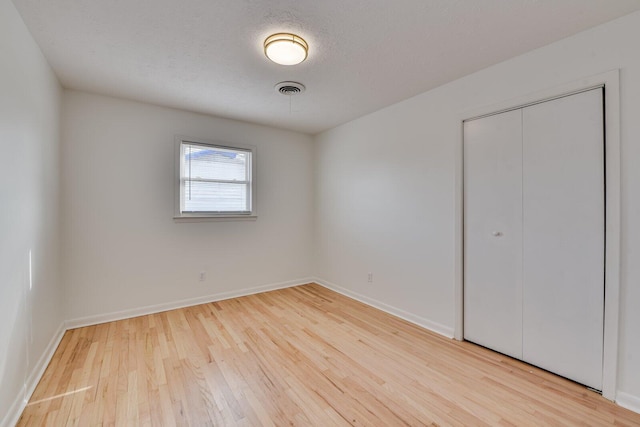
286 48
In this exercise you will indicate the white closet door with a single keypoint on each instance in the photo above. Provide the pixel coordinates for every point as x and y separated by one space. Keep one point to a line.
493 232
563 236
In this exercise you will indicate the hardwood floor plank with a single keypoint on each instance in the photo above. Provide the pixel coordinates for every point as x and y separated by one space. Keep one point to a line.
303 356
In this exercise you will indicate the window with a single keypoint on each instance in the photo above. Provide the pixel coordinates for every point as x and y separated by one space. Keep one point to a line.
214 180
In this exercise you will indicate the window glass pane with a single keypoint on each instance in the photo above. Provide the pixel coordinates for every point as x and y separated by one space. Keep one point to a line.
215 179
215 197
215 163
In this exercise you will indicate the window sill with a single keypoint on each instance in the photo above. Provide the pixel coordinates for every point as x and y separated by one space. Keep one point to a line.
216 218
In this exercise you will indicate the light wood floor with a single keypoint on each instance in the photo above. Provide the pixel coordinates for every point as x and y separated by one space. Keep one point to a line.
302 356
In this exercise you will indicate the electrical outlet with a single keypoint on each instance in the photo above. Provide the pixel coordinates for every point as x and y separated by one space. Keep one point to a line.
370 278
203 276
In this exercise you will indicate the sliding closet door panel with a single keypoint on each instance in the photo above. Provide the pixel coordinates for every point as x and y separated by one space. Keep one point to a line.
493 232
563 236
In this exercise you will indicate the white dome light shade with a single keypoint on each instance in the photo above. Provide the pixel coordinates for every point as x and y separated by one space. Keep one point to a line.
286 48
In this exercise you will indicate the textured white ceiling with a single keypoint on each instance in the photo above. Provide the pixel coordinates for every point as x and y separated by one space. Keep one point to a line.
206 55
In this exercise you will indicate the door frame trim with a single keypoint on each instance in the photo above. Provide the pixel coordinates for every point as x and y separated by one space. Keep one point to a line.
611 82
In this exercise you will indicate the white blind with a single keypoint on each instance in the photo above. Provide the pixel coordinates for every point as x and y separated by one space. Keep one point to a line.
215 179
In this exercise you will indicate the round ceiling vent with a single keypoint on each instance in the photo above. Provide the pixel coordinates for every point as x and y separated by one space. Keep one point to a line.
290 88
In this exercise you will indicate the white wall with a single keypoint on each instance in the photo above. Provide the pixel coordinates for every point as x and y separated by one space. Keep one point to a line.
30 304
385 185
123 249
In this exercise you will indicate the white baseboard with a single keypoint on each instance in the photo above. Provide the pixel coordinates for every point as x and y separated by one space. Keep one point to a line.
628 401
409 317
16 409
151 309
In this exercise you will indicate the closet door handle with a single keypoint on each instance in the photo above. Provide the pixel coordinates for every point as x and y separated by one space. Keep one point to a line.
497 234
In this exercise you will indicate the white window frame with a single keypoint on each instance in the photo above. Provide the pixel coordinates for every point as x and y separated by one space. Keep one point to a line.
179 215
